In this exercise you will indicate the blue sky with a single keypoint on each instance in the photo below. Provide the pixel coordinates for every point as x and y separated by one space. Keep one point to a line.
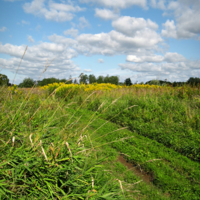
137 39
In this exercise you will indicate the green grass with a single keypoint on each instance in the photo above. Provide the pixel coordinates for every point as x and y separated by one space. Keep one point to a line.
38 157
172 173
54 148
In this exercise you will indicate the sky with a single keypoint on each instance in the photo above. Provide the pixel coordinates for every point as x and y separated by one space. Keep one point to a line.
137 39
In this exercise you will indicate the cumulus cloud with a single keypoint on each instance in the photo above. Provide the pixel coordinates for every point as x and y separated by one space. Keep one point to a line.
106 14
172 66
30 39
100 60
158 4
3 29
187 16
117 3
113 43
169 29
137 59
131 25
169 71
36 57
174 57
170 57
59 12
72 32
130 35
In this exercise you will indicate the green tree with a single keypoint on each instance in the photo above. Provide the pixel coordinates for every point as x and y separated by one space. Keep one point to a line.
92 79
27 83
47 81
107 79
128 82
193 81
100 79
114 80
84 79
154 82
63 80
4 79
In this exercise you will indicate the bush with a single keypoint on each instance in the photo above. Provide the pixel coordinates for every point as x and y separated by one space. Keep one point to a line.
3 79
27 83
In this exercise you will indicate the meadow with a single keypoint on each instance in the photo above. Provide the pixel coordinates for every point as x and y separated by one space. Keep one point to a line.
100 141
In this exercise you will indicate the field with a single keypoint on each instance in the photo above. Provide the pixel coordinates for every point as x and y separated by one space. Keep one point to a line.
100 141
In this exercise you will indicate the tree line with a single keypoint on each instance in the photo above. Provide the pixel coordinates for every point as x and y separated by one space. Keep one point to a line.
89 79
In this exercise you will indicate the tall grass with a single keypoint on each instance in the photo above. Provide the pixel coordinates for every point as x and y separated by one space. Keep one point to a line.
39 157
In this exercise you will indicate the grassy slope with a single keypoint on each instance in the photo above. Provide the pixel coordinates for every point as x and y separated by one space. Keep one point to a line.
38 157
174 176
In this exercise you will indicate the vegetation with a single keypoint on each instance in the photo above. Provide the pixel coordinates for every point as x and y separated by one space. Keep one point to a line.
43 153
165 124
63 141
27 83
4 80
128 82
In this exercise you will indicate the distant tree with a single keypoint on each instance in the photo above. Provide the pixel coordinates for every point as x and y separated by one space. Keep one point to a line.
154 82
128 82
63 80
92 79
4 80
106 79
47 81
159 82
84 79
100 79
27 83
114 80
193 81
75 81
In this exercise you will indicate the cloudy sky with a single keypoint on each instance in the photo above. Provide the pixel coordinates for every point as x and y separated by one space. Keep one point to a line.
137 39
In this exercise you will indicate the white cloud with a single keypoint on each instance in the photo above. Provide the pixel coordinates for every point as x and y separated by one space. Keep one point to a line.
83 23
170 71
186 13
137 59
173 66
106 14
87 70
131 26
168 57
100 60
158 4
3 29
30 39
170 29
113 43
117 3
72 32
174 57
61 40
35 59
129 38
59 12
